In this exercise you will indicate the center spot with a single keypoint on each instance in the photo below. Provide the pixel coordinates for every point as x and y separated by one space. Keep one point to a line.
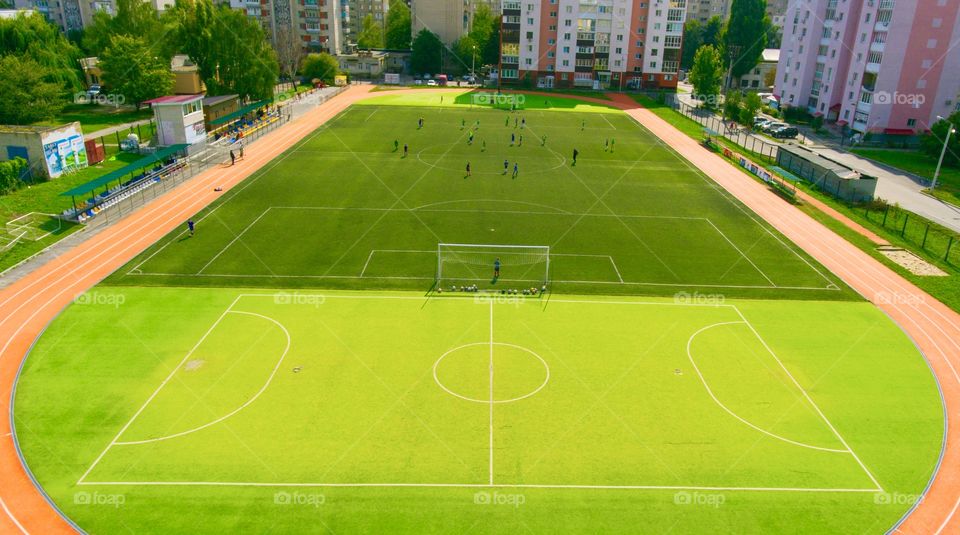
465 372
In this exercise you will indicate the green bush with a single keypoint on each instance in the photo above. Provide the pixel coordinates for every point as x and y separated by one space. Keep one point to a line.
11 172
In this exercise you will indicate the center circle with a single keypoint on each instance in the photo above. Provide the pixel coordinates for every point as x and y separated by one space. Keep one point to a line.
485 372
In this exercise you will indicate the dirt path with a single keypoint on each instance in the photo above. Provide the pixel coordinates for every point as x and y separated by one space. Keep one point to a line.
27 306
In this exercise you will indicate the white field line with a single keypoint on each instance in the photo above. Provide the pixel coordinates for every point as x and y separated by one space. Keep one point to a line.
234 240
13 518
474 297
562 281
614 264
372 251
491 392
730 412
159 388
809 399
475 210
608 122
241 407
744 255
474 486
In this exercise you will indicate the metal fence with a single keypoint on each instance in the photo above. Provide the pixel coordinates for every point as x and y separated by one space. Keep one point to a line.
939 242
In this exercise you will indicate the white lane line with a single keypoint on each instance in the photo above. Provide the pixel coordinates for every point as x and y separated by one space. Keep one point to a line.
13 518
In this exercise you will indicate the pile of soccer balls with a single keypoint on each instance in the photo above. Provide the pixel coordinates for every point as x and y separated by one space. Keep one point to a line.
456 288
512 291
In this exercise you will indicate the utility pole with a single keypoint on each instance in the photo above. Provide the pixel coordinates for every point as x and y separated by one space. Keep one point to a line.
943 152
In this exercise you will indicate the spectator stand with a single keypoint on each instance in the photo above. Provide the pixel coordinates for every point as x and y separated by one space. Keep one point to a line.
248 122
124 183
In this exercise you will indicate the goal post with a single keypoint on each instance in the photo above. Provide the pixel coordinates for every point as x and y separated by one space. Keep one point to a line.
467 264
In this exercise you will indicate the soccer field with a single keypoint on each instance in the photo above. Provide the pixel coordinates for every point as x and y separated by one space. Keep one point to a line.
694 414
344 209
294 366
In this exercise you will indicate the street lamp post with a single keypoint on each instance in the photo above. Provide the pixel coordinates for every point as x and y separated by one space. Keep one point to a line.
943 152
473 66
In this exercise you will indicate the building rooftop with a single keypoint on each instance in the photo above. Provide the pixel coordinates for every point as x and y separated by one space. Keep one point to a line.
213 101
771 55
173 99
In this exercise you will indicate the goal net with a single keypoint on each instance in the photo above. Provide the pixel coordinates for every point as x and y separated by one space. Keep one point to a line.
521 266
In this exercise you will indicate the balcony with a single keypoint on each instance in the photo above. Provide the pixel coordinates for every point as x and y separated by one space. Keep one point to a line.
864 107
670 66
859 126
872 68
876 47
882 26
510 60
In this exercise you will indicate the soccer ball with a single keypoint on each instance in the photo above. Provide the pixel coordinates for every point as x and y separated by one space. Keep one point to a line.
454 287
439 290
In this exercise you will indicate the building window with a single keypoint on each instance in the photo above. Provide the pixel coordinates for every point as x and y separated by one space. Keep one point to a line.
911 122
551 41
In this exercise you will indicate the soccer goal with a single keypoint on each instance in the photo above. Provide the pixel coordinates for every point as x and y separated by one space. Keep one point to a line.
468 264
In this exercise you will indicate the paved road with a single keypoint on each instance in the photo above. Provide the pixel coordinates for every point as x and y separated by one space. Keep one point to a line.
893 185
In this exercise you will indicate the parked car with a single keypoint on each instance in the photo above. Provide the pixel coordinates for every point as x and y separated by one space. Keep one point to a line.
787 132
431 82
93 90
773 125
759 122
418 82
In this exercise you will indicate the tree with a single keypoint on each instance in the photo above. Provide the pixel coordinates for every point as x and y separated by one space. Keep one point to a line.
135 18
491 52
229 48
320 66
932 143
745 36
131 69
732 105
706 73
770 78
751 106
712 31
692 39
25 94
774 34
32 37
371 35
467 51
289 49
426 52
398 28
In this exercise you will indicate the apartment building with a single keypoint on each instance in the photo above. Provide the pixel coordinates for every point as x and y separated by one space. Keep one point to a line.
704 10
592 43
317 24
358 11
879 66
68 15
449 19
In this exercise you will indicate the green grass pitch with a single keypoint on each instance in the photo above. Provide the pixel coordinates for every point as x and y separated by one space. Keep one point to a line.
631 217
291 367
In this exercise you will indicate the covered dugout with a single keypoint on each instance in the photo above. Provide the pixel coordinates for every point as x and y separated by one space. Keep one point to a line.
832 177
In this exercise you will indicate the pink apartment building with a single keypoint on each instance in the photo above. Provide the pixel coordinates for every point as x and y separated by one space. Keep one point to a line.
879 66
592 43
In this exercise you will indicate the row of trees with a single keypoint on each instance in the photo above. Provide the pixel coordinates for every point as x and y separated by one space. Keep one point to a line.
40 68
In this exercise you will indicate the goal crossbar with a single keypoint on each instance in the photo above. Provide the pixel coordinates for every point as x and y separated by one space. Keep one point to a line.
474 263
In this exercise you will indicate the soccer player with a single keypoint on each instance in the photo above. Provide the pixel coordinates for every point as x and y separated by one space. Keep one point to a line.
516 170
463 123
583 124
543 140
575 154
520 144
606 144
396 145
514 122
419 123
612 143
483 145
513 138
468 169
507 121
405 149
506 165
523 122
470 139
496 268
191 226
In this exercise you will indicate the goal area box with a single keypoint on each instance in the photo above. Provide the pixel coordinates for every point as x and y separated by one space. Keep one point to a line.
464 264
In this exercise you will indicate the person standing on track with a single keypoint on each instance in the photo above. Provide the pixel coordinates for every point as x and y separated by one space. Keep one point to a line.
233 157
191 226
